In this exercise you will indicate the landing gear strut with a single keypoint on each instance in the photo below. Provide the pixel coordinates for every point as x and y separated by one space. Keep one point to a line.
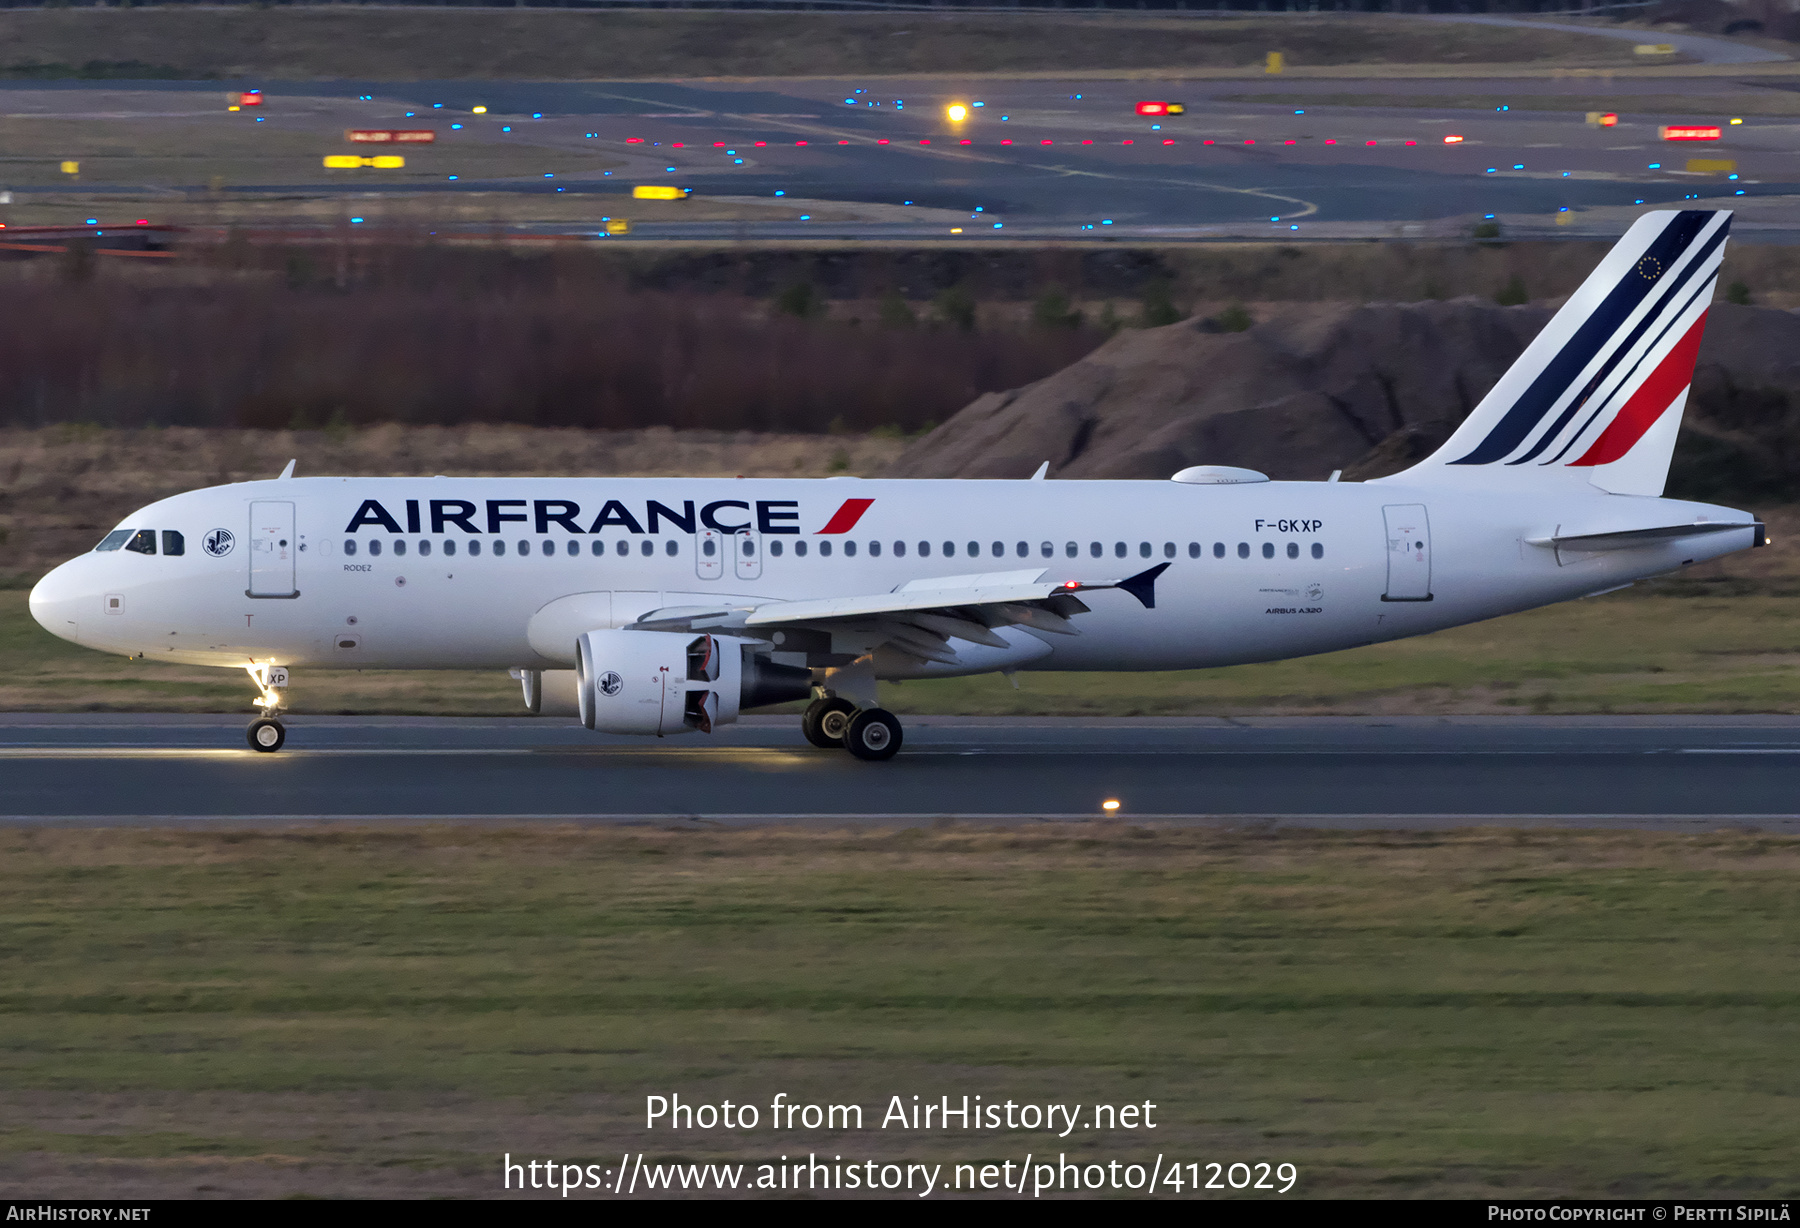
266 733
868 733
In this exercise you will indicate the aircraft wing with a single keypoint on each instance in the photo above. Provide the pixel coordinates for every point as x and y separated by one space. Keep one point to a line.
919 618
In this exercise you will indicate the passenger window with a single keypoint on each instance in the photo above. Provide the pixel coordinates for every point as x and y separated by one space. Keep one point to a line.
1193 550
1318 551
1268 550
1218 550
647 549
350 547
1143 550
1095 550
399 549
949 550
450 546
874 550
899 550
499 548
1118 550
999 550
775 548
1168 550
173 542
597 548
142 542
424 549
1293 550
375 548
707 547
1072 550
524 549
574 547
974 550
849 550
113 540
1047 550
671 548
1023 550
924 550
800 548
621 547
824 550
547 548
475 548
1243 550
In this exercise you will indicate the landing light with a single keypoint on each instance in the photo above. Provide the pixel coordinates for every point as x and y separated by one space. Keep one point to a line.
956 112
1110 804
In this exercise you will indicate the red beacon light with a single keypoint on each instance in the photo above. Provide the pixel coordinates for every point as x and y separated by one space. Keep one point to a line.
1690 132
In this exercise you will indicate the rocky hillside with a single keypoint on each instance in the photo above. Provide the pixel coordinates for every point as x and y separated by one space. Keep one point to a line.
1365 388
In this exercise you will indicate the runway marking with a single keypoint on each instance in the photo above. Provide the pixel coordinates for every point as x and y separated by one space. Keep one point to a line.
103 750
1090 818
1739 750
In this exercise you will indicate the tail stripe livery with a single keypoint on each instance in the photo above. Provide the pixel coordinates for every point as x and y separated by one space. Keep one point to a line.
1653 396
1606 379
1656 314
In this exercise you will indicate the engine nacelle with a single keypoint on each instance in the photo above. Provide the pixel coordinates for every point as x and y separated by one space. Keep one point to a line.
667 682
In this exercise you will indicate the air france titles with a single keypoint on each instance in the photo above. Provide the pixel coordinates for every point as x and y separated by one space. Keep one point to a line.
495 516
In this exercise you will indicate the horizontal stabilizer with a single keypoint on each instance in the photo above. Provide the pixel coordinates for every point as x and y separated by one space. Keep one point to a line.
1634 539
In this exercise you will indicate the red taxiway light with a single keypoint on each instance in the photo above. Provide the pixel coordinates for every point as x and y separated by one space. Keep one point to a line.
1152 108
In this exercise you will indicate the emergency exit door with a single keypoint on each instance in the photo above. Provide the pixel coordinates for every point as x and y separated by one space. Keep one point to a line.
272 550
1408 552
709 554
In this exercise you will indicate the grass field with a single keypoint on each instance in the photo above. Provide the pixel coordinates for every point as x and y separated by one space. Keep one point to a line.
387 1012
405 44
1615 654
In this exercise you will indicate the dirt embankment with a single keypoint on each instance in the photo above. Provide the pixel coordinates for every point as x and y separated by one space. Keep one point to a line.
1363 388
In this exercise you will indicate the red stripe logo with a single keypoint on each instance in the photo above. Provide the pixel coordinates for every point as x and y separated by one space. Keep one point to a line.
845 518
1649 402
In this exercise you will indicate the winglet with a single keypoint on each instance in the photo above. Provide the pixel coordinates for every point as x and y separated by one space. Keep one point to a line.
1143 585
1041 471
287 472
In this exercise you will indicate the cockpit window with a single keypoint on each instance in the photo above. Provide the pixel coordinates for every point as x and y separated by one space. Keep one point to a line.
173 542
143 541
113 540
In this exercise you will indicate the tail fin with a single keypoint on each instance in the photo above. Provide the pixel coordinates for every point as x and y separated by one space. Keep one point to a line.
1597 396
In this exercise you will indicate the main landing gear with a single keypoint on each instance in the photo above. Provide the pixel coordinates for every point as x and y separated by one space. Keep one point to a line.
266 733
867 733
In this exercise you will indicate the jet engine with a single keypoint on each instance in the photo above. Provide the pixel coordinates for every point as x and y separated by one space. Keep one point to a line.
666 682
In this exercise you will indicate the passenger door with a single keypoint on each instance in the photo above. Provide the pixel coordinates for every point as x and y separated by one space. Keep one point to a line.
1408 552
271 550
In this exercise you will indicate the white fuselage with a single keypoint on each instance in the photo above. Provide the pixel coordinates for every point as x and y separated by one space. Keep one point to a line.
1257 571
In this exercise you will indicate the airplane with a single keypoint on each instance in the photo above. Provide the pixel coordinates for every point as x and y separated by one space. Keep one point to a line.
663 606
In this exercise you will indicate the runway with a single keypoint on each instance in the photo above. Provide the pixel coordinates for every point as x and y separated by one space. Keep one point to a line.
1656 773
1038 159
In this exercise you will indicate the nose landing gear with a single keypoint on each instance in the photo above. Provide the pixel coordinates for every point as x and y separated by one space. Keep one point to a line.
266 733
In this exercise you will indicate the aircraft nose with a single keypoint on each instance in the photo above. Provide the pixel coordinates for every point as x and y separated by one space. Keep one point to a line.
58 601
